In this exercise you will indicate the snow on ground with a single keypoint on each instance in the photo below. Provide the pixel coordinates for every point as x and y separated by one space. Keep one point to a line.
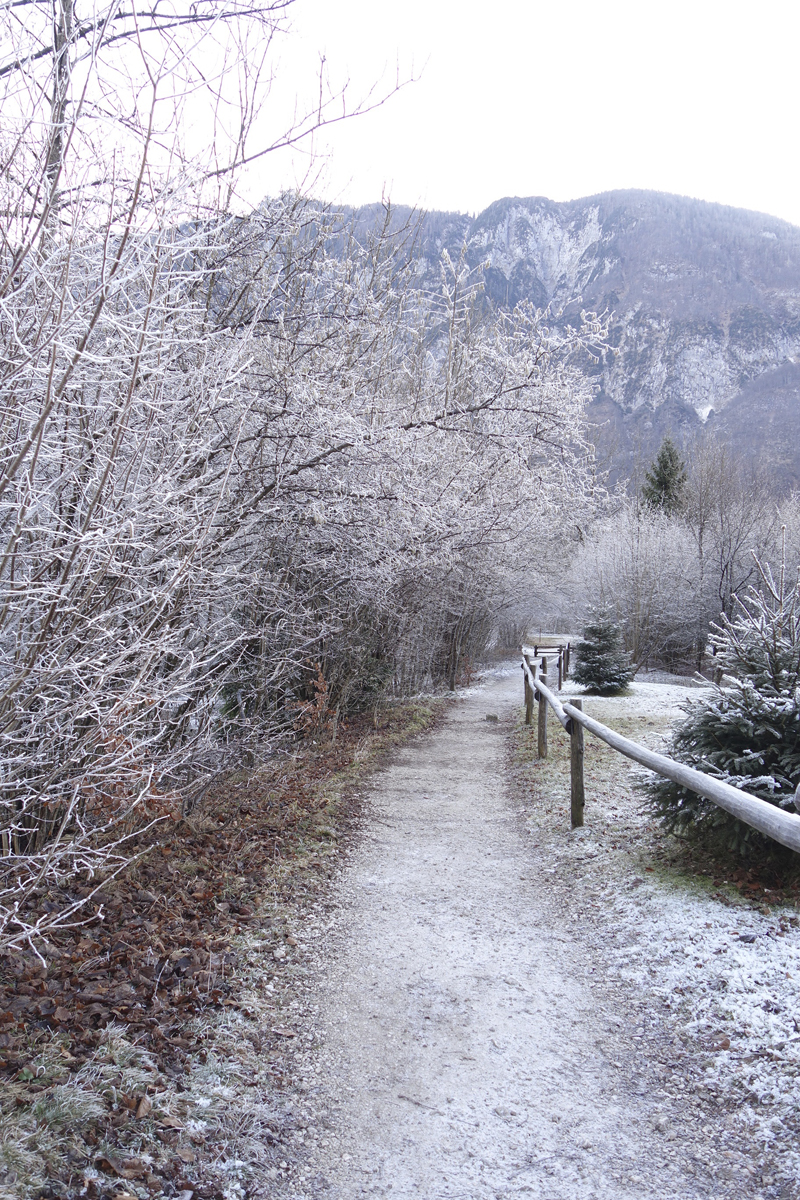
731 974
722 971
646 698
488 1003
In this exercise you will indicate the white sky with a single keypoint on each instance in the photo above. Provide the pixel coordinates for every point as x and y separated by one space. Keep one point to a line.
562 98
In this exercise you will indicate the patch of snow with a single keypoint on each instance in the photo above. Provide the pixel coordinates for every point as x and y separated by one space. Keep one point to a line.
725 970
643 697
738 995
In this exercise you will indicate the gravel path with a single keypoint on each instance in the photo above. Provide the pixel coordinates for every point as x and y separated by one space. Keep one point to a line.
468 1044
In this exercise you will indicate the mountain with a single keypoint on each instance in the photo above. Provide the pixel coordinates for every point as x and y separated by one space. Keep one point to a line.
704 306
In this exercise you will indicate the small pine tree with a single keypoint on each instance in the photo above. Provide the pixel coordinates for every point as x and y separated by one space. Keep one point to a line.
747 730
665 482
601 662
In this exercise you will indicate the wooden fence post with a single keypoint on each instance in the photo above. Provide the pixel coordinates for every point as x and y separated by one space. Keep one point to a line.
560 666
577 795
543 707
528 696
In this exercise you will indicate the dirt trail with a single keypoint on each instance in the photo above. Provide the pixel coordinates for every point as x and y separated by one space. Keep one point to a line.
466 1050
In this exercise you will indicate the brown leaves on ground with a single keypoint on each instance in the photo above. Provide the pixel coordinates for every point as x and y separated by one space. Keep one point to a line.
771 880
155 950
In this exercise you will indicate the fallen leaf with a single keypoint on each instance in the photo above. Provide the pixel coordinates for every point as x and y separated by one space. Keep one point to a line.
171 1123
128 1168
187 1156
143 1107
284 1031
133 1168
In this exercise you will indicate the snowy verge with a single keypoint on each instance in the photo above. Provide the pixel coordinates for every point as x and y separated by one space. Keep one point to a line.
721 972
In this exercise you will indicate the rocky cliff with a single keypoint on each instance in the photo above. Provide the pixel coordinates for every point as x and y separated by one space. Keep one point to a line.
704 303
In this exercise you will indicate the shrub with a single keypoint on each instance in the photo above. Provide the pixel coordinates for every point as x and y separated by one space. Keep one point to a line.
746 729
601 663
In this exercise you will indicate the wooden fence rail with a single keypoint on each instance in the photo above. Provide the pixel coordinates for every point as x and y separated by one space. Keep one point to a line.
782 826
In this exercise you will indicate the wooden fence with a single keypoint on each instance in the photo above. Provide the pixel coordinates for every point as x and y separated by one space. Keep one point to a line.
782 826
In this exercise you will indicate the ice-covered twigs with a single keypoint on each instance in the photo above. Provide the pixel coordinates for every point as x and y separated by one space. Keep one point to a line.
252 479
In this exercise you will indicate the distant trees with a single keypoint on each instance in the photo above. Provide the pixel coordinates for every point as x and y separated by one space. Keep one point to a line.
668 570
731 512
638 566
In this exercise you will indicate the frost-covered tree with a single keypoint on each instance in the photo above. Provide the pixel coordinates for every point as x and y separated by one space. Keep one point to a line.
250 475
665 483
730 512
746 729
668 575
601 662
638 564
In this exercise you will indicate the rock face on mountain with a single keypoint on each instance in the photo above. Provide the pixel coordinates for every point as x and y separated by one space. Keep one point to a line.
704 306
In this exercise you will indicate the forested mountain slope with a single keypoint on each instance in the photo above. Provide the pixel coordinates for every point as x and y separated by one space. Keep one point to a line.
704 303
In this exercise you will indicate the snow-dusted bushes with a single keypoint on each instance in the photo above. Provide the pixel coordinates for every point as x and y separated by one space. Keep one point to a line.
246 467
638 566
667 572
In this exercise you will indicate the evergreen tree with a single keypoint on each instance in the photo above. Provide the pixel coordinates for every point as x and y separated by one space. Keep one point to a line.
665 482
747 730
601 662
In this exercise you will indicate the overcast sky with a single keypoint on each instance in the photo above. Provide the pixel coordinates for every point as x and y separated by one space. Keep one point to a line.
559 99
